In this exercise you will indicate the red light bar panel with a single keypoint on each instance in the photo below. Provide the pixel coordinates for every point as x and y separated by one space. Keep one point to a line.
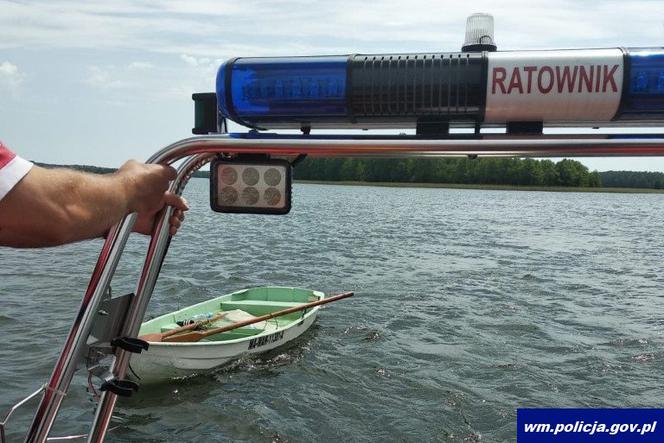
248 186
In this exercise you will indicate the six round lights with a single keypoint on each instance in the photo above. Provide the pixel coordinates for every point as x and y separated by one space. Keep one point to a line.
249 186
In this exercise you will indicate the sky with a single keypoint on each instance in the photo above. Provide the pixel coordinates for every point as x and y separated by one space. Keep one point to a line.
99 82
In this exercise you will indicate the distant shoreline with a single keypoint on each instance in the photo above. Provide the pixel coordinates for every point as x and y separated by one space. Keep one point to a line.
488 187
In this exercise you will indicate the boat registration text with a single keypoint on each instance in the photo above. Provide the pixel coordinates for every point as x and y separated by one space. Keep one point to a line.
267 339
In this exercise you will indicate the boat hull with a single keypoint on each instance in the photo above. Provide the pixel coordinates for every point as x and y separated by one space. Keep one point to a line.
168 360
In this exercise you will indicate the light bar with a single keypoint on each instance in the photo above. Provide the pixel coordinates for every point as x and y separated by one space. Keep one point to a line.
397 91
276 89
248 186
644 98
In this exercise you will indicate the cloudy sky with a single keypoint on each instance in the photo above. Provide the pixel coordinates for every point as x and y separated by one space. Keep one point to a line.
98 82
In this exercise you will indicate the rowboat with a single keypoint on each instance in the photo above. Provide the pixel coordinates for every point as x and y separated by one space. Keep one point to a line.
171 359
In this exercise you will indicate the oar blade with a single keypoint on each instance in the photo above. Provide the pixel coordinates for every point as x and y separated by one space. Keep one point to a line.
159 337
153 338
184 338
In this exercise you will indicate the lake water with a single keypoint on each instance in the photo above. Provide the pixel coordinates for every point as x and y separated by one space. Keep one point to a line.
469 304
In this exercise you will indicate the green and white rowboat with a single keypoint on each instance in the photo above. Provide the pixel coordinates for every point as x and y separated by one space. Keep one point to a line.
165 360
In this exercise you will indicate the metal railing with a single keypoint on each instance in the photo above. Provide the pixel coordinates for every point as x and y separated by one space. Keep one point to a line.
3 424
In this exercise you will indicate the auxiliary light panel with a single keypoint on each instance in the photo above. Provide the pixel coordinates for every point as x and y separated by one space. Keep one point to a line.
250 186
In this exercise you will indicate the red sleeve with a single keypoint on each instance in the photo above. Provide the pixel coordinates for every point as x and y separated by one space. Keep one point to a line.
5 156
12 169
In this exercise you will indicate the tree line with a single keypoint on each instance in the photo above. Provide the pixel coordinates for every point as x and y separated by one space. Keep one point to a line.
632 179
481 171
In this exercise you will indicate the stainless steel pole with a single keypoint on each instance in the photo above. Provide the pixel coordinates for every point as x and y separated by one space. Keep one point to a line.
136 312
79 332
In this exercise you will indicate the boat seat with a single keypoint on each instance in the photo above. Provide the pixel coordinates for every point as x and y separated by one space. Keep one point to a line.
233 316
258 307
238 315
169 327
280 304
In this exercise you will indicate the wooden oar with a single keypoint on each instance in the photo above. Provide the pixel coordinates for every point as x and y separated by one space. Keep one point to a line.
157 337
198 335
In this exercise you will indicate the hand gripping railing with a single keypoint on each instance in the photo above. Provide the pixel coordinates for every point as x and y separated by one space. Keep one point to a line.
197 151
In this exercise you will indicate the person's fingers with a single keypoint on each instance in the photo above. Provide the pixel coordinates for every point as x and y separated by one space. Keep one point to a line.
174 221
179 214
176 201
173 230
168 172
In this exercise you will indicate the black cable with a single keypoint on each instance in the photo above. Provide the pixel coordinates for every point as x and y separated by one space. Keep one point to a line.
132 371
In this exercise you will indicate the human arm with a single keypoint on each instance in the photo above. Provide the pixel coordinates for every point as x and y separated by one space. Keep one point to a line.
50 207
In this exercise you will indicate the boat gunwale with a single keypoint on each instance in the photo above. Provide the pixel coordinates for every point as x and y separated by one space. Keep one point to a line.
314 310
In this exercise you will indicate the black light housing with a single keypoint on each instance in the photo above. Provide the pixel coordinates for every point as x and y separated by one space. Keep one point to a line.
205 113
250 186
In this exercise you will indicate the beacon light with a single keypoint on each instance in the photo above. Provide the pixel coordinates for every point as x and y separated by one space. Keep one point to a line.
644 95
250 186
269 90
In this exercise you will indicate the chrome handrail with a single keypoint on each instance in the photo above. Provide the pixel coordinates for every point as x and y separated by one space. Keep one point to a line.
3 424
202 146
155 255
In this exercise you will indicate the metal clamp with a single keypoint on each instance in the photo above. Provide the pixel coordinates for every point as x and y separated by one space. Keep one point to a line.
130 344
122 388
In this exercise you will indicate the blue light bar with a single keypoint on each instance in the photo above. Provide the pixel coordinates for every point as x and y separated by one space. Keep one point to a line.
433 91
644 96
389 90
260 91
